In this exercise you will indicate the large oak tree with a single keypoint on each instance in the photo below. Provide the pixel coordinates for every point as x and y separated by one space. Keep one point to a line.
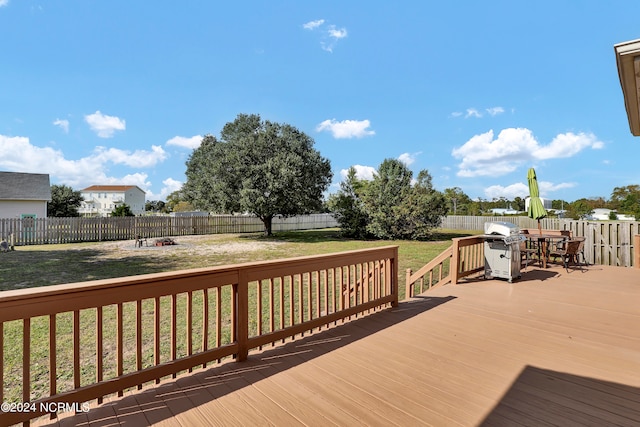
258 167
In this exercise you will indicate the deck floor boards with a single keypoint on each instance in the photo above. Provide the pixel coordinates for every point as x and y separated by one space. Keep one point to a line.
554 348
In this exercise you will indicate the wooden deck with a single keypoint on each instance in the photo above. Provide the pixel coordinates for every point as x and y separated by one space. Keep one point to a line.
553 348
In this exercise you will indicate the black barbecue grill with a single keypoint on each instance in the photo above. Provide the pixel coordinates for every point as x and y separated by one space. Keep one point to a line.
502 250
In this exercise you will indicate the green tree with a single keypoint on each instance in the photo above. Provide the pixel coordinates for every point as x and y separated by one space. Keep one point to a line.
64 202
348 208
174 199
457 201
626 200
384 196
259 167
183 206
580 208
422 210
155 206
122 210
396 208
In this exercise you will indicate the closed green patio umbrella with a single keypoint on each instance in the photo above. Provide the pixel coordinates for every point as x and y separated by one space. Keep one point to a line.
536 208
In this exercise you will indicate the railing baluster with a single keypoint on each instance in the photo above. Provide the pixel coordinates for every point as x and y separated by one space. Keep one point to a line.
318 299
309 297
272 310
174 321
53 387
218 318
281 288
156 333
119 348
205 322
259 308
291 307
76 349
99 345
190 325
325 287
300 298
26 359
139 337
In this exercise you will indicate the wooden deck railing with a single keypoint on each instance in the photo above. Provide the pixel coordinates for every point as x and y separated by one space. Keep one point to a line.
73 343
466 254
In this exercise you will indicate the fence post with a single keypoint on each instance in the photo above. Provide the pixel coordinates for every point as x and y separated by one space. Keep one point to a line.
394 277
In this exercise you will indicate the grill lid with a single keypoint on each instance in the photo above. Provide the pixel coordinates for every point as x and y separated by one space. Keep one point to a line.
501 228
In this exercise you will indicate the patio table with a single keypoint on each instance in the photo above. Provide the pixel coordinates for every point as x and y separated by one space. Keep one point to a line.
542 242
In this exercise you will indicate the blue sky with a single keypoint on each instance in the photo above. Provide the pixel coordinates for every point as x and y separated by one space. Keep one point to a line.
120 92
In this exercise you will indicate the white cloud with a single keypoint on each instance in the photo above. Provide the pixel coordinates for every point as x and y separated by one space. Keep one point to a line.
186 142
472 112
170 185
103 125
18 154
138 158
521 190
568 145
475 113
62 124
362 172
330 34
4 2
346 128
408 158
510 192
312 25
483 155
337 33
494 111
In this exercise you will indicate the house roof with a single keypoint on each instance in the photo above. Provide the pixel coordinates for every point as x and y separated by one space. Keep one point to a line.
24 186
112 188
628 61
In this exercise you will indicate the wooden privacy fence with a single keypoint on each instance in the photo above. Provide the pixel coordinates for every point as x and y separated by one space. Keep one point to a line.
606 242
464 257
38 231
70 344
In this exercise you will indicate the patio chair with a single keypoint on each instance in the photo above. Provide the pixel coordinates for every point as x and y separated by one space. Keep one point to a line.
526 251
570 251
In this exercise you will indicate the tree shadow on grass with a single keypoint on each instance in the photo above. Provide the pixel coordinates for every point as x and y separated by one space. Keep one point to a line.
305 236
29 269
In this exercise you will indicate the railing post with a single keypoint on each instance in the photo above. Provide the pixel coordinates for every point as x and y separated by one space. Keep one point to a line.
394 277
636 251
407 292
454 264
242 315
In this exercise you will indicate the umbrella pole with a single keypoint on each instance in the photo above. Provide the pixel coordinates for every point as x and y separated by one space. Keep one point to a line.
544 247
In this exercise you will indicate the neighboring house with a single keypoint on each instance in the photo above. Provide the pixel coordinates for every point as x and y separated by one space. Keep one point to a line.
101 200
545 202
24 195
503 211
602 214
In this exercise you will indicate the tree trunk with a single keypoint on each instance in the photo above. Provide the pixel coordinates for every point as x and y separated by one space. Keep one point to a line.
267 221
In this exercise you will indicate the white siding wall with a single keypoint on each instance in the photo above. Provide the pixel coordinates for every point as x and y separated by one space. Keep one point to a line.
14 209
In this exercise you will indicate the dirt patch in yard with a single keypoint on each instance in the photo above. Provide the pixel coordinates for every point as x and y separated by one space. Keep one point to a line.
184 245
